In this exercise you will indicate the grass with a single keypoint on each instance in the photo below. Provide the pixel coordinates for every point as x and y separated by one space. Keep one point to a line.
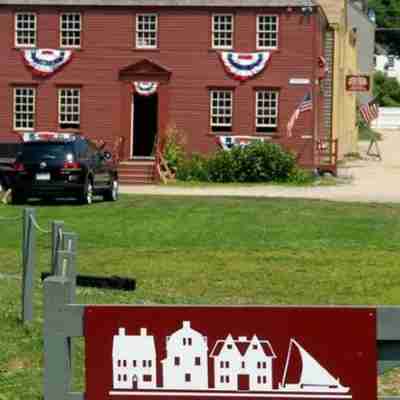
181 250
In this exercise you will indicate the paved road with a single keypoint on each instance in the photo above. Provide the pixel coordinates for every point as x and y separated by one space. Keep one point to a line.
368 180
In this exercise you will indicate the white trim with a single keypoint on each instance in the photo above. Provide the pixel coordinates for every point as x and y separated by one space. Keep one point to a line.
215 393
70 46
139 46
16 30
219 115
277 32
15 128
232 32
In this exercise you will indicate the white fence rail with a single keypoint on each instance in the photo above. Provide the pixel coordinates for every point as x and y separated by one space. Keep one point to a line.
389 118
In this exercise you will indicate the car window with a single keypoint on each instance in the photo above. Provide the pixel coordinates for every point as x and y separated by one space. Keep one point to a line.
45 151
83 149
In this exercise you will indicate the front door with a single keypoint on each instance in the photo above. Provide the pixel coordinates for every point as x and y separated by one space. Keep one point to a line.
243 382
144 124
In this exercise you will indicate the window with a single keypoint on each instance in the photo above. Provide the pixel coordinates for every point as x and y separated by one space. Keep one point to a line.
264 379
258 364
264 365
70 30
267 32
146 31
229 346
189 341
188 378
243 364
119 377
24 108
254 347
197 361
221 115
25 30
134 363
184 341
119 363
222 31
222 379
221 364
147 378
69 107
258 379
227 378
226 364
124 363
149 363
177 361
125 378
144 363
266 110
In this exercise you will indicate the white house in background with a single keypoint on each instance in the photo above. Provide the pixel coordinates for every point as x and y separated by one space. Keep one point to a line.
186 363
134 361
243 364
388 64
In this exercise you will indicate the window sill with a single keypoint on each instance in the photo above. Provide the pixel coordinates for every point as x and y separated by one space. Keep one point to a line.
211 50
136 49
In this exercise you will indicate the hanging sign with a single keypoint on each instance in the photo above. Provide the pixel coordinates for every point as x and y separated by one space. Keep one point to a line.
358 83
145 88
45 62
47 136
227 142
241 353
243 66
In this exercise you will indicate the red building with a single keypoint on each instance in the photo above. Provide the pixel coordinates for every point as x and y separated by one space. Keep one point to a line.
179 46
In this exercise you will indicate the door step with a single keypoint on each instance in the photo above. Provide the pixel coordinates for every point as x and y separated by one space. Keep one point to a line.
134 172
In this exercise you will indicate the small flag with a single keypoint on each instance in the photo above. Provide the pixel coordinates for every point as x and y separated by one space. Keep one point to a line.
370 111
305 105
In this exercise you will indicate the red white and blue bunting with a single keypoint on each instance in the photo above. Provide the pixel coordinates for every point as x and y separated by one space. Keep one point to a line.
145 88
243 66
227 142
45 62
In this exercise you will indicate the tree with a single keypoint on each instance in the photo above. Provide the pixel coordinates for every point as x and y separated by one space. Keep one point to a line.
387 16
386 90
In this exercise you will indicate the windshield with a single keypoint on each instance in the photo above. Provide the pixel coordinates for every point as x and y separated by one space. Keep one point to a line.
45 151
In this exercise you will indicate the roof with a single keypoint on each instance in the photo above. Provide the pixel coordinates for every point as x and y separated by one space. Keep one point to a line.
334 10
242 347
166 3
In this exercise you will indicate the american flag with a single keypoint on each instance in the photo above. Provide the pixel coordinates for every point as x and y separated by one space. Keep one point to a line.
370 111
305 105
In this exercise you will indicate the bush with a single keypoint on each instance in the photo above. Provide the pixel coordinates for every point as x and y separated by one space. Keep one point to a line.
257 162
193 169
174 147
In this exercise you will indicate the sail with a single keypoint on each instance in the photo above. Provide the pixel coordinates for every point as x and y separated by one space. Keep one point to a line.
312 372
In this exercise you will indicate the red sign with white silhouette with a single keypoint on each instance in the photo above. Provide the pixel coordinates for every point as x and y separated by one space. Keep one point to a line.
135 352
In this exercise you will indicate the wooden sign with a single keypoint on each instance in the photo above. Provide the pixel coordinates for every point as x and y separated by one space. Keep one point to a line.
163 353
358 83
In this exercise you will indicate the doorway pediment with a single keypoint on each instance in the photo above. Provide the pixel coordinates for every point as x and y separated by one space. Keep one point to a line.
145 70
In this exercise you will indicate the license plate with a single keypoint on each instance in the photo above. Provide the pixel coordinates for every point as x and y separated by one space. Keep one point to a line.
42 177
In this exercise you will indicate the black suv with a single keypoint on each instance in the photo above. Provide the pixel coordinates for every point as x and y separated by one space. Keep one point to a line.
63 166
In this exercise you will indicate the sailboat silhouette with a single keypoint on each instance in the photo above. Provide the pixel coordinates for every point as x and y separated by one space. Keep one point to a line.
313 377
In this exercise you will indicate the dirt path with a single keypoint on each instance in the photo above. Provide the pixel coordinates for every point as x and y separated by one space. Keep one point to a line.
366 180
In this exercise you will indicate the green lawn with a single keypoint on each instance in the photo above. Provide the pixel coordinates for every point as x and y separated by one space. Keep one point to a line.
201 251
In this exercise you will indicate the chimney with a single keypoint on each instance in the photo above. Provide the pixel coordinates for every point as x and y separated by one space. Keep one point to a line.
186 324
121 331
242 339
143 332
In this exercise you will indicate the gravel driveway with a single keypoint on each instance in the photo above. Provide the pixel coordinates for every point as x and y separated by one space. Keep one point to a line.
366 180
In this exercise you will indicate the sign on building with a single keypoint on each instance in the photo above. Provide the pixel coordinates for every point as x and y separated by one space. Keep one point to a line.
358 83
199 353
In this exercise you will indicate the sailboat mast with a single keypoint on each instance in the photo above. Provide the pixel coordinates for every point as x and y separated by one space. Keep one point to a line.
287 363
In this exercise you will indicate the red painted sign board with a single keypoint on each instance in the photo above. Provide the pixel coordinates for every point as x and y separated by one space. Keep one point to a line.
200 353
358 83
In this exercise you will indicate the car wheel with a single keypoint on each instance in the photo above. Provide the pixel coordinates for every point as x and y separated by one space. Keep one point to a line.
17 198
86 196
111 194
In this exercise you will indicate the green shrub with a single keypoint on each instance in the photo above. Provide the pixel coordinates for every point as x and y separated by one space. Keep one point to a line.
257 162
193 169
174 147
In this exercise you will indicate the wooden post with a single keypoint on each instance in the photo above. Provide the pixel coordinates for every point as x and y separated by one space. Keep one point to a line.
28 264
